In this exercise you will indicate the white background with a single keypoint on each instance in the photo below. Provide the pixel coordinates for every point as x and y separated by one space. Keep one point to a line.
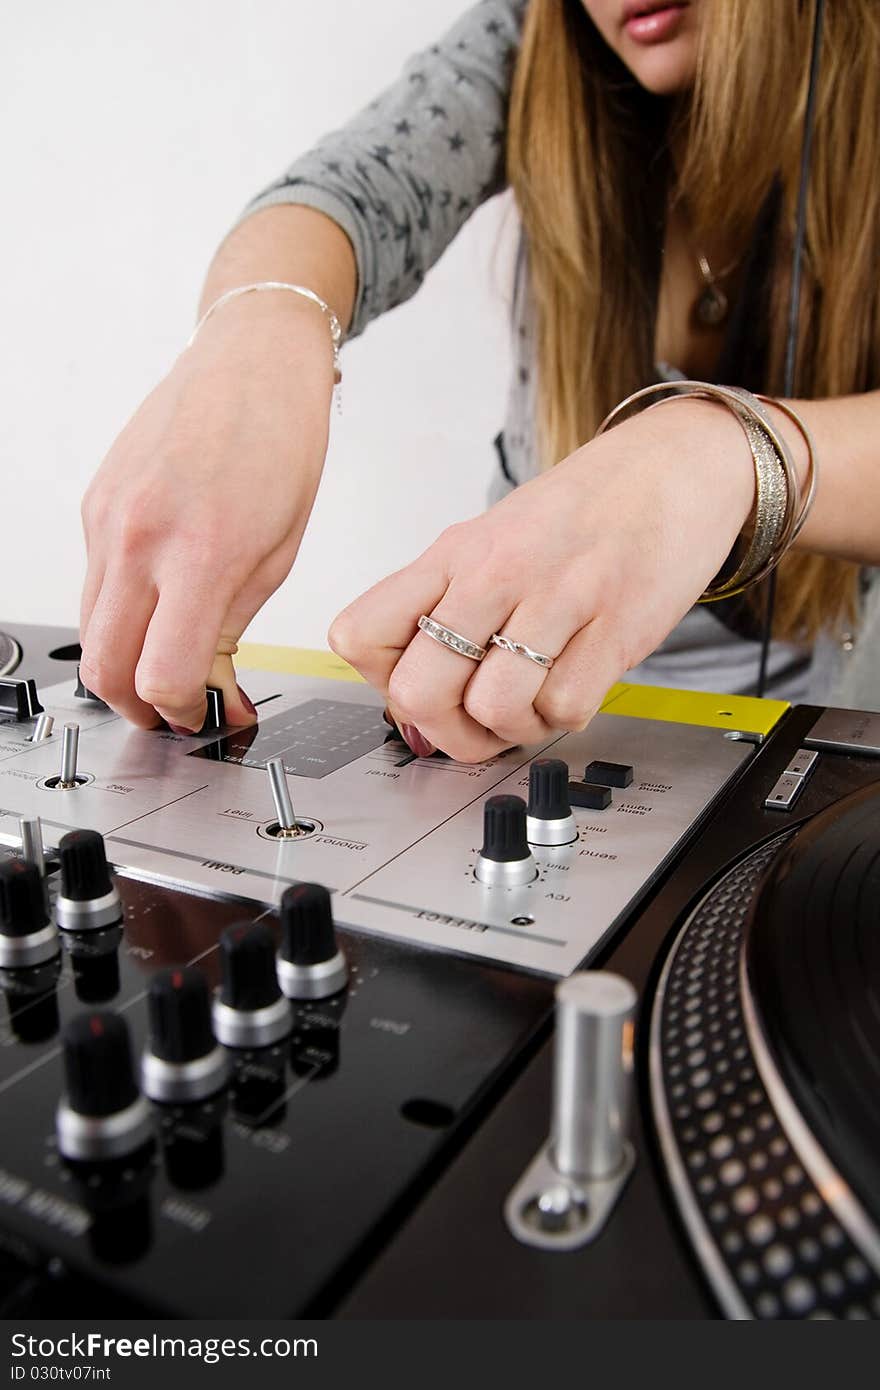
133 136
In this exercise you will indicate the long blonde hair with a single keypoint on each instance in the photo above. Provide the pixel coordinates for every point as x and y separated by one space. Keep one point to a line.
588 161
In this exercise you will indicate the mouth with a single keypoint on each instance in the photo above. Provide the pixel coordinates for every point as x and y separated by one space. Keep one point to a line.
654 21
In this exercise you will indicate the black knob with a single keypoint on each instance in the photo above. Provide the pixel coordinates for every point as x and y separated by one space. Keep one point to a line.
179 1005
308 936
98 1064
310 964
88 899
84 872
22 904
19 698
183 1061
548 789
504 830
247 954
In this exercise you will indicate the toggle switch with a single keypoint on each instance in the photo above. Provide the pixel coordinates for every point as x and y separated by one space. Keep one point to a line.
68 778
505 859
43 728
286 826
31 832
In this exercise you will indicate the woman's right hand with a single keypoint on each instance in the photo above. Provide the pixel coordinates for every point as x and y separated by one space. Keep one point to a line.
195 516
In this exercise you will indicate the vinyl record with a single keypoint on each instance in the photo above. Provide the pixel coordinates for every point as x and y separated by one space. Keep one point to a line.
813 955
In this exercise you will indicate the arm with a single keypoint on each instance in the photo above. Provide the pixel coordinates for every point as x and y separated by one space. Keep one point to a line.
593 563
405 174
845 520
196 514
238 429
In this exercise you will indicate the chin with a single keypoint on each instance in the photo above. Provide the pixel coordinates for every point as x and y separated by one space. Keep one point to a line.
664 70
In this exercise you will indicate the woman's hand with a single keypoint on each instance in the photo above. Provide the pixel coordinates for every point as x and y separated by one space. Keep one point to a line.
196 514
592 563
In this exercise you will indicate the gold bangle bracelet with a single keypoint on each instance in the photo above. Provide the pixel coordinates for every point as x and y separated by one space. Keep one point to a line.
812 460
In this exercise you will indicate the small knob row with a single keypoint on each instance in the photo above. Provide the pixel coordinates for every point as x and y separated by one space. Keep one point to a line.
252 1009
511 827
103 1114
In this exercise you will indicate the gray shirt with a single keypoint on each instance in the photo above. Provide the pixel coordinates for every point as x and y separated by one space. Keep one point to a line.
401 178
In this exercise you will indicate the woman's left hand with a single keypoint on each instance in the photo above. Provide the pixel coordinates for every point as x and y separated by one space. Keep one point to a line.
591 563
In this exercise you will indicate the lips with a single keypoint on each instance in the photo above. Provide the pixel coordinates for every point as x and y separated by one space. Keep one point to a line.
649 22
638 9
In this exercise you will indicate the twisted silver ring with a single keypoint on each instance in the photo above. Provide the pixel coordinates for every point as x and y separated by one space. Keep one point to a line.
520 649
453 640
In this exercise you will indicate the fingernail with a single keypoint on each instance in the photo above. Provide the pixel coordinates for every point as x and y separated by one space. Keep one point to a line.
246 701
179 729
416 742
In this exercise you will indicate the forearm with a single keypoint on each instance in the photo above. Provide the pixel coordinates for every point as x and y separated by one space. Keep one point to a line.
845 518
292 243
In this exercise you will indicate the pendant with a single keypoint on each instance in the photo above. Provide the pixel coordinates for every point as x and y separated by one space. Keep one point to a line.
711 307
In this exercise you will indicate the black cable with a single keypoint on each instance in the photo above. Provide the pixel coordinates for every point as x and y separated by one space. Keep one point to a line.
794 299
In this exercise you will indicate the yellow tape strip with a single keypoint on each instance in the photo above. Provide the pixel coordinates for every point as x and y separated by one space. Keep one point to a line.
741 712
295 661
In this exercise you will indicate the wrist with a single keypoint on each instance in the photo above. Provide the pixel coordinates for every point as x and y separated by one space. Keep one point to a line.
706 439
281 328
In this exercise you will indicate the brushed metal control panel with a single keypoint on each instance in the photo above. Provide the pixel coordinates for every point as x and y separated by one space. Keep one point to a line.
394 836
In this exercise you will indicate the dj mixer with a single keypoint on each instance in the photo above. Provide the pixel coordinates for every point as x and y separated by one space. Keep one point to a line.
297 1023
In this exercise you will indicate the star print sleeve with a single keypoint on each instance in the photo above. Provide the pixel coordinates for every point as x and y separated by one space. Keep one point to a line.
403 176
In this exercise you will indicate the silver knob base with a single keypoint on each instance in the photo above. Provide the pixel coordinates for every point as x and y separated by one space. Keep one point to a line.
313 981
181 1082
505 873
251 1027
93 1137
90 914
563 831
18 952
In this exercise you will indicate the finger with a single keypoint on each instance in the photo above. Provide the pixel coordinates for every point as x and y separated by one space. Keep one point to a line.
430 680
269 574
88 598
502 692
581 678
371 633
180 648
112 643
